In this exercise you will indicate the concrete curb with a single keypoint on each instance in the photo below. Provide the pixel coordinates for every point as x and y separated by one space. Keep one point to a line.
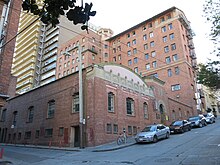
112 149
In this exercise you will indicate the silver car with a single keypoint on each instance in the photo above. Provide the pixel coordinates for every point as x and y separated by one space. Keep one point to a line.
210 118
153 133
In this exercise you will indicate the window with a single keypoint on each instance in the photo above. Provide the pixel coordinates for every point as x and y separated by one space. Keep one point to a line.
133 33
30 114
150 25
136 69
119 57
109 128
111 100
129 53
144 28
3 116
115 128
135 60
129 62
134 130
145 108
162 19
169 72
173 46
128 44
129 130
165 39
144 37
168 16
106 55
19 136
49 132
77 68
83 39
135 51
15 115
105 46
171 36
72 69
114 59
60 67
64 65
128 35
177 70
75 104
130 106
114 50
145 46
175 57
51 109
151 34
73 61
146 56
93 56
119 48
147 66
163 29
37 134
168 60
154 64
170 26
175 87
166 49
152 44
60 60
61 131
153 54
134 42
27 135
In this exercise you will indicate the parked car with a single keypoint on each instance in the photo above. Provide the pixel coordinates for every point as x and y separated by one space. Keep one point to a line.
153 133
180 126
197 121
210 118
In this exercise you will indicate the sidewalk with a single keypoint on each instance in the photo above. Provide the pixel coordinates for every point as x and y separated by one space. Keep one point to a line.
101 148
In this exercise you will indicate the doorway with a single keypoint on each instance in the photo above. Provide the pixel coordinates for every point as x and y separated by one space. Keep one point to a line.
162 114
74 136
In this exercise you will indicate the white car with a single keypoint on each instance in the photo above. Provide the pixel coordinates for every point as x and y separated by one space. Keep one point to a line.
210 118
153 133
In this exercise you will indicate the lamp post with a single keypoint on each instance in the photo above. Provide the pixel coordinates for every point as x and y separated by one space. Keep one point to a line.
81 119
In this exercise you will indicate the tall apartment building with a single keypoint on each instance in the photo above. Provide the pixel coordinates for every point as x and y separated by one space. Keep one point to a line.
161 46
9 11
34 62
91 46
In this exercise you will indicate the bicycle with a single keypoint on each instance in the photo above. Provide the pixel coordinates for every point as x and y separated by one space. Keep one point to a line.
122 138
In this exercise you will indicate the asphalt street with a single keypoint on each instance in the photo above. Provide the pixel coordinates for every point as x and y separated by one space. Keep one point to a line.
200 146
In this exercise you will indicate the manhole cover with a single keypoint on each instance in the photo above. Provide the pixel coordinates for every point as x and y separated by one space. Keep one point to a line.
162 160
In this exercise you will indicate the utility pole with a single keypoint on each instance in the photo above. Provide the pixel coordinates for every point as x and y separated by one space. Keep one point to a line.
81 120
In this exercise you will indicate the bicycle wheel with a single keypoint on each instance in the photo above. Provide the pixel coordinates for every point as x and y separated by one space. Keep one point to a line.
119 141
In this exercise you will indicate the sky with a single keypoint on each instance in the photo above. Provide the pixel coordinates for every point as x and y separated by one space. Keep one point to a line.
119 15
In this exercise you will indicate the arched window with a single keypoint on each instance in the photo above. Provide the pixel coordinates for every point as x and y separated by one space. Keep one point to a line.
145 108
130 106
111 100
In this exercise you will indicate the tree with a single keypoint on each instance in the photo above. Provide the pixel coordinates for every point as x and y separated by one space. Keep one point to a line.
209 76
49 11
209 73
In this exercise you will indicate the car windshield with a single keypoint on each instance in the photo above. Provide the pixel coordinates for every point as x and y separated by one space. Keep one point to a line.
206 115
177 123
194 118
149 129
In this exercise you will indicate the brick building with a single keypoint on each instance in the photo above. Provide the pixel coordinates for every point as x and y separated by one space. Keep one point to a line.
9 11
162 47
114 98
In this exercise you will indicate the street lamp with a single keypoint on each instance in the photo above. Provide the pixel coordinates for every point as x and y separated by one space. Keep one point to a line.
81 120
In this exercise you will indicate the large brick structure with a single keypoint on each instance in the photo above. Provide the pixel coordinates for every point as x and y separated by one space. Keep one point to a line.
113 98
9 11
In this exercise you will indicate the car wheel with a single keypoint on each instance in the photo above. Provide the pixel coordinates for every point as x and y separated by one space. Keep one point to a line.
182 130
189 129
205 124
155 139
200 125
167 135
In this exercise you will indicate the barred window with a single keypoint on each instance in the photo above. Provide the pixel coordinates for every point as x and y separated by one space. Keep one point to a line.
51 109
75 103
49 132
111 99
130 106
